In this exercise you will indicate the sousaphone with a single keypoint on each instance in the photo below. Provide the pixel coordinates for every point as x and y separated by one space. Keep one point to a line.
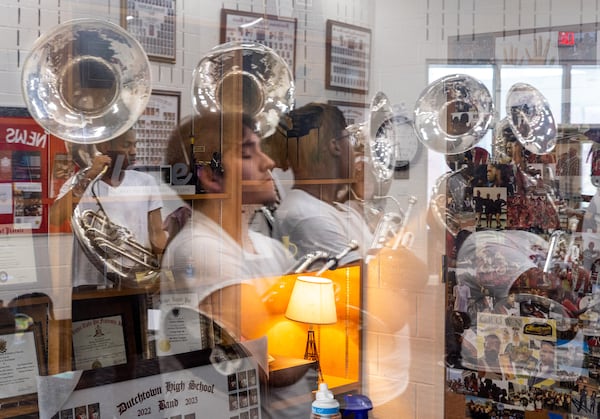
377 137
87 81
531 119
453 114
266 82
529 122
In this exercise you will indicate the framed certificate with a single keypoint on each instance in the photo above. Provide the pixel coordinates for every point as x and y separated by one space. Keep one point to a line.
108 331
21 360
99 343
152 23
347 57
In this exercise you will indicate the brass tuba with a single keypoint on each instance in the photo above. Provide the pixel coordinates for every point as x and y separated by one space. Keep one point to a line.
87 81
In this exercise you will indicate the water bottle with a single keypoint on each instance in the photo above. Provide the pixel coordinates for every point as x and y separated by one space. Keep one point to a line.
325 405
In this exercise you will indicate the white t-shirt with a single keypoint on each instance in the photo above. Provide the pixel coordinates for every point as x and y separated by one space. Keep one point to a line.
312 224
203 258
126 205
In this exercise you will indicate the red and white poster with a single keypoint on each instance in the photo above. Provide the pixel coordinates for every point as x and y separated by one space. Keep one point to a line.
33 166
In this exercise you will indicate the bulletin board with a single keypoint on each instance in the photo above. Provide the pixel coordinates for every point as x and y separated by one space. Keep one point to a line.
33 167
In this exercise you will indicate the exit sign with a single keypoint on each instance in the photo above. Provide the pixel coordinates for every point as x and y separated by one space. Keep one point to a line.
566 39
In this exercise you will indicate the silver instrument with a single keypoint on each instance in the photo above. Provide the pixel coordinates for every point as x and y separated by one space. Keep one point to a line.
453 114
502 152
266 81
404 237
308 259
531 119
391 228
113 248
378 137
386 229
87 81
331 262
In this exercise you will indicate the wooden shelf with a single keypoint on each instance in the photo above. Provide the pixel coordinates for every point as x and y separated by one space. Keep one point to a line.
204 196
340 385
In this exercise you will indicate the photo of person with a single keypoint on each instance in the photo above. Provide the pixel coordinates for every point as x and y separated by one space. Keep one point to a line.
232 382
490 204
242 379
233 402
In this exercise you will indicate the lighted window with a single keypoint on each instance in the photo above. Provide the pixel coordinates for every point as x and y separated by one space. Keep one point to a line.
585 108
548 80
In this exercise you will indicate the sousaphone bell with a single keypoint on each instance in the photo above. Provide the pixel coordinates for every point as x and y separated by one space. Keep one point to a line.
453 114
531 119
378 138
267 83
87 81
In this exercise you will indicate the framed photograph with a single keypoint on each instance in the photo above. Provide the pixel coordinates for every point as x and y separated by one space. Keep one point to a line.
347 57
152 23
155 125
354 112
272 31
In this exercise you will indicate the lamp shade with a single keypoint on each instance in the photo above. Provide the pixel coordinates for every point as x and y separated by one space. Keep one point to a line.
312 301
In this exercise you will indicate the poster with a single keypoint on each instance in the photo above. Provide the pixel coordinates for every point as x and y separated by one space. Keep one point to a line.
25 171
28 208
201 386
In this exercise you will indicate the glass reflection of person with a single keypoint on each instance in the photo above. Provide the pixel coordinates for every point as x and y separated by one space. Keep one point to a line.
311 213
203 257
124 194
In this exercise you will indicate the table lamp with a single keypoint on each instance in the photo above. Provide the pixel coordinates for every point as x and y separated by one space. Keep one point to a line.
312 302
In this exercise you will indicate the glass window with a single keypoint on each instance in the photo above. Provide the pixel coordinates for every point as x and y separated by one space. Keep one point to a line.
548 80
585 108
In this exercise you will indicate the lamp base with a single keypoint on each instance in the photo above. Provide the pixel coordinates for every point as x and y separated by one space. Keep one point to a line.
311 353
